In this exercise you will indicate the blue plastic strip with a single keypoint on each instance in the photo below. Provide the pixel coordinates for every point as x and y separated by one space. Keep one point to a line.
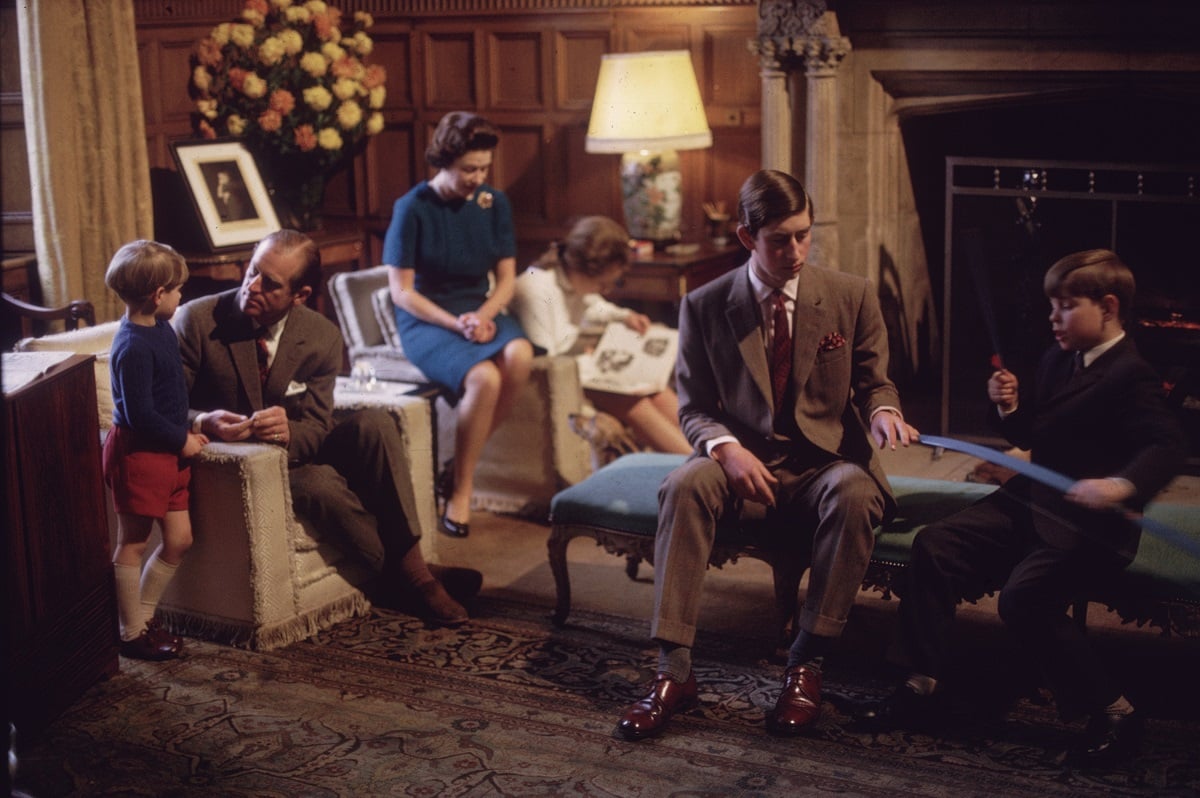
1057 481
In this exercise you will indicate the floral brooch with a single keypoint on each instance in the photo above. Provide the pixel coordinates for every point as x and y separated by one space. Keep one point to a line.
484 199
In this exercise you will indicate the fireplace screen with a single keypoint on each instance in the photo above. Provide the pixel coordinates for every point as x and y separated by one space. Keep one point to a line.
1007 221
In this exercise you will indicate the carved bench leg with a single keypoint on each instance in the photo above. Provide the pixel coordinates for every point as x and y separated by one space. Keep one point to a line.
787 571
556 547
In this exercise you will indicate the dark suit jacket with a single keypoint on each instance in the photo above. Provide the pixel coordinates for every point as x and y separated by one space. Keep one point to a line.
839 368
220 362
1110 420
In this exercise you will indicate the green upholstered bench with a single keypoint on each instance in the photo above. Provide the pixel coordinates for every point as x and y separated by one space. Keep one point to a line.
617 506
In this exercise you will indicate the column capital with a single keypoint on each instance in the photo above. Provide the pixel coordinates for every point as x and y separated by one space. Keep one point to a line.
799 35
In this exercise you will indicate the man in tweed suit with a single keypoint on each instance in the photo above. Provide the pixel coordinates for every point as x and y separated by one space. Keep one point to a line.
261 366
780 366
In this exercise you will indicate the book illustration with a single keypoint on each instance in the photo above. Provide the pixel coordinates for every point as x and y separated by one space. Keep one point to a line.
628 363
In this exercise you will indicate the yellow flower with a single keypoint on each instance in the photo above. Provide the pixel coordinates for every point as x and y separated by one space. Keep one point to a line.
345 88
281 4
374 123
220 34
349 114
241 35
333 51
235 124
314 64
254 17
363 44
329 139
254 87
201 78
376 97
316 6
364 18
317 98
207 108
271 51
298 14
293 42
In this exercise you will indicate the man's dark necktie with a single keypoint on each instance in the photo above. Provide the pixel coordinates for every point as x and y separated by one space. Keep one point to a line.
781 349
264 355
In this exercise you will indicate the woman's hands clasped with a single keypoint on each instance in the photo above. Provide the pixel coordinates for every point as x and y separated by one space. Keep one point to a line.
476 327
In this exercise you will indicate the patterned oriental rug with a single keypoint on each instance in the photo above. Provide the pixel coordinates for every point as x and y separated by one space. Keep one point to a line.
511 706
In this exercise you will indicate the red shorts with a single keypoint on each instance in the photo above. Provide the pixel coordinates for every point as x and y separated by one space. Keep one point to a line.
143 482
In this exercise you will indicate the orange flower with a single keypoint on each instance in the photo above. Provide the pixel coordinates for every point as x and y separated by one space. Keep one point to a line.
258 5
306 138
347 67
237 77
270 121
206 130
208 52
282 101
375 76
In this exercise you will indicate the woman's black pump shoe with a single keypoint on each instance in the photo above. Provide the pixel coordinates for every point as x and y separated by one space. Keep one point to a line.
453 528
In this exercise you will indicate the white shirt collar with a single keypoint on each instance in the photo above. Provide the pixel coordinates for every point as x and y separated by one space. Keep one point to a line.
762 291
1089 357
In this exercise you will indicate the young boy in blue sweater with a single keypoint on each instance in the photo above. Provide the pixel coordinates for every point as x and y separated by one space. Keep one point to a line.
146 453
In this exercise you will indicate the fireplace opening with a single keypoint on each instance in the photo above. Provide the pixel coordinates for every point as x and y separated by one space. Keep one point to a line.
1037 180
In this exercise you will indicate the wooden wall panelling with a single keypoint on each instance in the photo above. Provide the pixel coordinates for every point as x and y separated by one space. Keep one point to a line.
577 54
449 63
515 71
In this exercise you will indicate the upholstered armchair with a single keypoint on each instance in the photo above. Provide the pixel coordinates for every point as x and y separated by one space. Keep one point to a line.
257 575
532 455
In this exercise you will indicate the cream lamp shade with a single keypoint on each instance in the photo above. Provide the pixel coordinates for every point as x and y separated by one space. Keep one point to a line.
647 106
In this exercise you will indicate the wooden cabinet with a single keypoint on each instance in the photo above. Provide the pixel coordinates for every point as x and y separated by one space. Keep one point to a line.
62 616
656 283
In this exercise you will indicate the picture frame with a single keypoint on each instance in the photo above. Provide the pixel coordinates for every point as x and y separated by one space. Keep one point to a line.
227 192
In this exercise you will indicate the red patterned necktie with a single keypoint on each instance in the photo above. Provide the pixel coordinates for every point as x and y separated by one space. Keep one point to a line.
781 349
264 355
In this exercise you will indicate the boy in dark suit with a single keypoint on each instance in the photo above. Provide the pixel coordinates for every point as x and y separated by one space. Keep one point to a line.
1095 412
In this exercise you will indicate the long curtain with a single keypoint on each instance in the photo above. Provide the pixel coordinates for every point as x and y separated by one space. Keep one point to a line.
86 139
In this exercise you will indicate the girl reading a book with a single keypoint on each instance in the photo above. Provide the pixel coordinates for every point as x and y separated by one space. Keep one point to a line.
559 301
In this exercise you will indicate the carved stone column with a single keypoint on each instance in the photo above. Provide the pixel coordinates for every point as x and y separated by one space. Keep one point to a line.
803 36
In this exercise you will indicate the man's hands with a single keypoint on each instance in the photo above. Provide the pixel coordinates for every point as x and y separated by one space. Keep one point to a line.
269 425
889 428
749 478
1002 390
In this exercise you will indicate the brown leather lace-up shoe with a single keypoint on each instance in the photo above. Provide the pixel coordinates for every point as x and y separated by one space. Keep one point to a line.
799 703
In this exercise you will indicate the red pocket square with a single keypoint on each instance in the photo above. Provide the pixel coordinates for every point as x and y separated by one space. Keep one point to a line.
835 340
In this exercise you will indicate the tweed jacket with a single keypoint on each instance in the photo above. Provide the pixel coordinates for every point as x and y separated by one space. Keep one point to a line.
839 368
220 362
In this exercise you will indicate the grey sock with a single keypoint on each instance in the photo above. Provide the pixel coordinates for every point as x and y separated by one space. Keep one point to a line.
675 661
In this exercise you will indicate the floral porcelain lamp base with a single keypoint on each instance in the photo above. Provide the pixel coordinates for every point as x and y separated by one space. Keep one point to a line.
652 196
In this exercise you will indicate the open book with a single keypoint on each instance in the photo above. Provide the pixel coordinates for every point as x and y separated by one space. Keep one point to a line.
628 363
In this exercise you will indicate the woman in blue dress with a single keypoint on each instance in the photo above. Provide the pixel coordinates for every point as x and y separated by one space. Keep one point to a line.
448 236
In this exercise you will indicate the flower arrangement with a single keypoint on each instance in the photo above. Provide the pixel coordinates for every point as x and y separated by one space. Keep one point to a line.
288 80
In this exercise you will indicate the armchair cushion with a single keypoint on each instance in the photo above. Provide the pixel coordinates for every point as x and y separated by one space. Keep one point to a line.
96 341
385 317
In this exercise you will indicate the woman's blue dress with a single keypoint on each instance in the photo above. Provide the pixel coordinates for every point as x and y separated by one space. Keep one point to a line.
452 246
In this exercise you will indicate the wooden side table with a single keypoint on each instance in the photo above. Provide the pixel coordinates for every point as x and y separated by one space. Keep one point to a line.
658 282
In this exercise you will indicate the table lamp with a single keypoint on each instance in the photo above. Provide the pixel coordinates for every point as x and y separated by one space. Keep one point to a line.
647 106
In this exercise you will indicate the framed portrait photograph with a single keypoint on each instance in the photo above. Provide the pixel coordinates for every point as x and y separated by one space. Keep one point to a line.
227 192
